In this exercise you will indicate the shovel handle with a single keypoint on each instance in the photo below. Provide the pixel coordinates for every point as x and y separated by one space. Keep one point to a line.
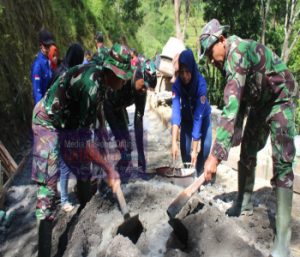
180 201
122 202
190 190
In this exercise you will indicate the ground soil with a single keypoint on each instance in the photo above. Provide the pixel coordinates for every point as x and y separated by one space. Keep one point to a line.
92 232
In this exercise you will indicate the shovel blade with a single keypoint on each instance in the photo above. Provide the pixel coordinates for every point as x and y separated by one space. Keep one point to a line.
131 228
180 231
176 206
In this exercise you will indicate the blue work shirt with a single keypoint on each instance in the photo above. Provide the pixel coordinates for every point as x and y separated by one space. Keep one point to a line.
41 75
189 102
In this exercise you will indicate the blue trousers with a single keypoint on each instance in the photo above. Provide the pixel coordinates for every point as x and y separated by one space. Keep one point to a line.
64 177
186 140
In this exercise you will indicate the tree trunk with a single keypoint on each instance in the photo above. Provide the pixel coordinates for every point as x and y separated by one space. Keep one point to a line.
186 16
177 4
265 6
290 18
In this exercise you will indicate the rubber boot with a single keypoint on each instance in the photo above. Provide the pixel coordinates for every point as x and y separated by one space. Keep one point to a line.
44 237
284 198
243 204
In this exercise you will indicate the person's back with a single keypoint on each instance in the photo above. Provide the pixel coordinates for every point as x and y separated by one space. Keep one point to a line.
262 69
74 107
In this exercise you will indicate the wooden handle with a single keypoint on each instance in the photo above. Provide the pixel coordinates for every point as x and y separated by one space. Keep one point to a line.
192 188
179 202
122 202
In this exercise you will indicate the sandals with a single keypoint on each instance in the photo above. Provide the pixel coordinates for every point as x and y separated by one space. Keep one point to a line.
67 207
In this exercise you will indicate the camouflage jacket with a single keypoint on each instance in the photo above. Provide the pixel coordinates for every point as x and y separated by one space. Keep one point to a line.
99 57
72 100
126 95
256 77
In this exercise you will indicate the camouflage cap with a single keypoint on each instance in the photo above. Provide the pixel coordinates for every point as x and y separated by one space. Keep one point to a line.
149 73
210 35
118 61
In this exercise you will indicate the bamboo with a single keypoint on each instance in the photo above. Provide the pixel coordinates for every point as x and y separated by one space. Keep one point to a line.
5 187
7 161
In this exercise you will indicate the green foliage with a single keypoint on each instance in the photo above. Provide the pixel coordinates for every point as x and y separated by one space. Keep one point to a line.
215 83
130 11
69 21
158 27
147 25
234 13
294 61
298 117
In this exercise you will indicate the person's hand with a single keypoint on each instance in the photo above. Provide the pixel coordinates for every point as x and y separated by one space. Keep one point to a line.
113 180
210 167
194 155
237 136
174 151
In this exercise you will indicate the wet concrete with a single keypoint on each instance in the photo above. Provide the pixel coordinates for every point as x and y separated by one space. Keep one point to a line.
93 231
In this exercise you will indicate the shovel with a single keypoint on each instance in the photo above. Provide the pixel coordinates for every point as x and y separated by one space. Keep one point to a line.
178 203
131 227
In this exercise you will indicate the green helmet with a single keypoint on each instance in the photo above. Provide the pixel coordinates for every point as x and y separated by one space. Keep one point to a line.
210 35
118 61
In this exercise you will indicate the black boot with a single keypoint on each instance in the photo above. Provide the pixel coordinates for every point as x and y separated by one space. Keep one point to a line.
284 198
123 166
44 238
84 192
243 204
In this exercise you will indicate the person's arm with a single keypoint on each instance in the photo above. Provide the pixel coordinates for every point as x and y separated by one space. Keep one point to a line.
175 129
176 119
201 104
232 98
225 130
36 77
93 154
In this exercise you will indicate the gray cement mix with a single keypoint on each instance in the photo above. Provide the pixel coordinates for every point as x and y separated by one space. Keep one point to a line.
92 232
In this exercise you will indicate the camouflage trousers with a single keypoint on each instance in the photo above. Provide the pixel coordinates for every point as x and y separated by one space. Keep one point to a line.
45 170
278 121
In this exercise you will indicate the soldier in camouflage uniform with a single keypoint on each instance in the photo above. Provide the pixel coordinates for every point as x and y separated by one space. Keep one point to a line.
70 104
133 92
256 77
102 50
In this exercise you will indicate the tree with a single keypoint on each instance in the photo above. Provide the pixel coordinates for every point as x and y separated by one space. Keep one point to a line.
265 7
233 13
291 16
181 33
177 7
186 16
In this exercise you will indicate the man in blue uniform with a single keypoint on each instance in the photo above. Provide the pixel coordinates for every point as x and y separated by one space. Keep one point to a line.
40 71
